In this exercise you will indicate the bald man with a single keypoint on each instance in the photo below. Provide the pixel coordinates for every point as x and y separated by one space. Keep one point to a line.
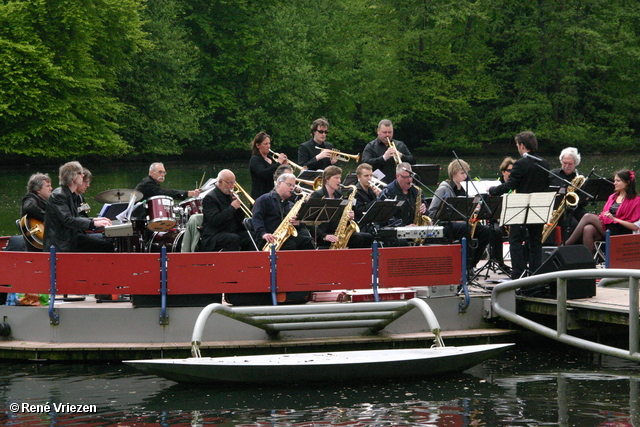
222 222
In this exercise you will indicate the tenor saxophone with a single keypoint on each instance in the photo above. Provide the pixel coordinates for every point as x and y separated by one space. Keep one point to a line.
285 229
418 218
570 199
346 226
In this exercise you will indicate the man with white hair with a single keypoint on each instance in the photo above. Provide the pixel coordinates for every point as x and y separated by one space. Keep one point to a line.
222 228
150 185
569 161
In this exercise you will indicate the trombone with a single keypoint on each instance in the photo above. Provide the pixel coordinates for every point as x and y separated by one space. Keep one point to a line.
375 182
316 184
343 157
237 188
276 156
396 154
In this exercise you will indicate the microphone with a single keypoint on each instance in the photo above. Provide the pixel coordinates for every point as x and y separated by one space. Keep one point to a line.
407 170
537 159
590 173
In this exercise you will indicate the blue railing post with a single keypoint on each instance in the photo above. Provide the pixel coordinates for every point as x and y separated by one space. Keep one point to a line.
164 319
462 307
374 271
274 286
54 319
607 248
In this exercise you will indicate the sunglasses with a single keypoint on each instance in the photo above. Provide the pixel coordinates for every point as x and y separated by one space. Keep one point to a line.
323 131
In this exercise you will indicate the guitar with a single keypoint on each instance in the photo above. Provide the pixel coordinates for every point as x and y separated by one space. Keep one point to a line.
33 231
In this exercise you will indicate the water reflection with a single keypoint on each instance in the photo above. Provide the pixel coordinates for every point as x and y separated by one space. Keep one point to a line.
524 387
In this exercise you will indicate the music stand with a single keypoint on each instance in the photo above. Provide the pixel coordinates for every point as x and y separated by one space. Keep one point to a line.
318 211
427 174
527 208
351 179
380 212
490 209
454 209
599 188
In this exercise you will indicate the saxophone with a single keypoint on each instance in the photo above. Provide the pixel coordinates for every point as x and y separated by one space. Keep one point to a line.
571 200
285 229
346 227
418 218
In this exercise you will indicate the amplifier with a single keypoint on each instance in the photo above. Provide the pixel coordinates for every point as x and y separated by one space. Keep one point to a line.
120 230
423 232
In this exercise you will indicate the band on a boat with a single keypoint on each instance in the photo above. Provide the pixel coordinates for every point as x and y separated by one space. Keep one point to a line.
310 204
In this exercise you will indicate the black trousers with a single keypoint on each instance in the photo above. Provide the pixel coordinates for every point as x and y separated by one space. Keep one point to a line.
230 242
94 243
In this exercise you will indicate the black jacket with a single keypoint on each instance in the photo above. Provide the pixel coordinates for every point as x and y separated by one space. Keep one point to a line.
62 224
307 153
526 177
150 188
373 152
219 217
33 206
261 176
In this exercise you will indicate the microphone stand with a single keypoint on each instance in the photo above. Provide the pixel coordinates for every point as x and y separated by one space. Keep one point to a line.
413 174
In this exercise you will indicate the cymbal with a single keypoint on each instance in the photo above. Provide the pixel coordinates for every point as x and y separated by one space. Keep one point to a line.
119 195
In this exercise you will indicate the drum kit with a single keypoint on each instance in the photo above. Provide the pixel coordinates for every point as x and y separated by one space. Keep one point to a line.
157 223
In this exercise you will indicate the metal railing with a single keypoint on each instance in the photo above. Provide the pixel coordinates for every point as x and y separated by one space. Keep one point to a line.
503 295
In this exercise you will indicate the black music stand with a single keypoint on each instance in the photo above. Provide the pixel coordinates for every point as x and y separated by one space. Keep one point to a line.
318 211
308 175
599 188
490 210
427 174
454 209
351 179
380 212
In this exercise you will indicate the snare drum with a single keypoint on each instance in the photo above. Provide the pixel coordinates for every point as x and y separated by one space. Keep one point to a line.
171 239
191 206
160 213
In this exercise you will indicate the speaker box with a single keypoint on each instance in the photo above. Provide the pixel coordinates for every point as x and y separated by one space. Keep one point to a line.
575 257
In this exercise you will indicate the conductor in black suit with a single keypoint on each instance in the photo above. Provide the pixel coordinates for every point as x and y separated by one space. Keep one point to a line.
222 228
526 177
308 153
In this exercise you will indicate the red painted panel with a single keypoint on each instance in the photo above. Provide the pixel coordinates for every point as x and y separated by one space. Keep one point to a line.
101 273
624 251
24 272
324 270
217 272
420 266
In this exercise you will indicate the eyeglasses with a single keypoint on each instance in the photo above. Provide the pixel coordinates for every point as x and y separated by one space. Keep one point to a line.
508 170
323 131
161 172
228 182
405 176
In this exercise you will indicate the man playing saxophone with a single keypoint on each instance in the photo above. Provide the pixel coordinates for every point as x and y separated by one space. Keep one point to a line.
326 232
271 209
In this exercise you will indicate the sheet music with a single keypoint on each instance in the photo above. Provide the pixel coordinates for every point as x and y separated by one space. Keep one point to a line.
481 186
540 207
527 208
209 185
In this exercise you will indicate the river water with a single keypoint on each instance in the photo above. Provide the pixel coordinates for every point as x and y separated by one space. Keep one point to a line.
536 386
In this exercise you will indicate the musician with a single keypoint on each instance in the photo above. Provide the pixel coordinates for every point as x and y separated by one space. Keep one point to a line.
270 210
284 168
380 155
150 185
495 247
308 153
569 161
35 201
619 215
402 189
261 166
63 227
366 192
83 206
526 177
458 171
325 232
222 227
505 169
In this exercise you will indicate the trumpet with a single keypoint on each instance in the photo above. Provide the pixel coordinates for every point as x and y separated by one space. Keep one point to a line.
375 182
396 154
276 156
343 157
315 184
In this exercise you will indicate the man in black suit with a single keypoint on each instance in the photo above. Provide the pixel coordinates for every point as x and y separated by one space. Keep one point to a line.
380 155
308 154
526 177
150 185
222 221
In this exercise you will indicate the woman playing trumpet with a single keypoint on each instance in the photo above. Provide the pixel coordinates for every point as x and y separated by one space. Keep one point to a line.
619 214
261 166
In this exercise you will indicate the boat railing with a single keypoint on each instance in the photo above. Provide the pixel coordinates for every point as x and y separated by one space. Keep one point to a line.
273 319
503 304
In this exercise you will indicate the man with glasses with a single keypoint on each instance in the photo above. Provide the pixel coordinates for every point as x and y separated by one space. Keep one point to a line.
150 185
402 189
63 227
309 154
381 156
222 228
270 210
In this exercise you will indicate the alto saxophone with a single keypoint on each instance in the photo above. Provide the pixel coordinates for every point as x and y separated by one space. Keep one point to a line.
570 199
285 229
346 226
418 218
